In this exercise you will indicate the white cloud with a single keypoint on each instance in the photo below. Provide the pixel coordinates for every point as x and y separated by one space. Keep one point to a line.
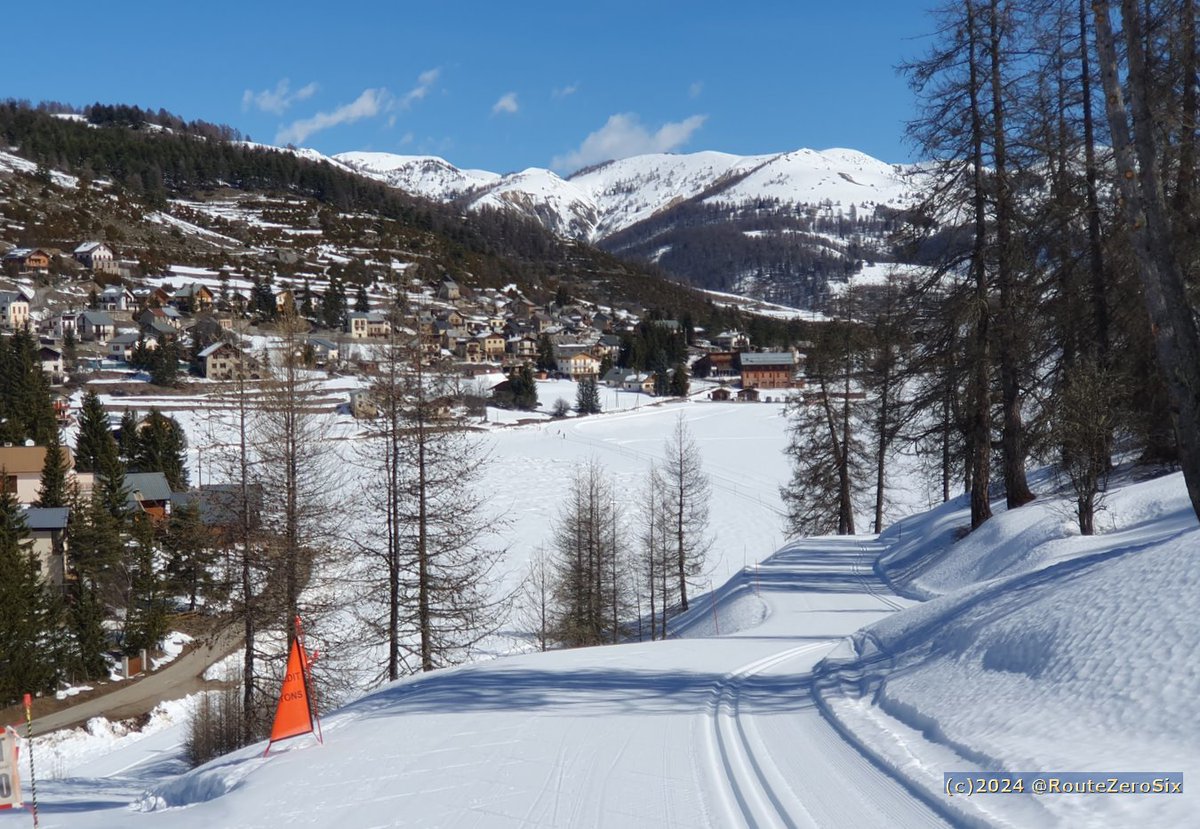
624 135
425 82
564 91
507 104
367 105
279 99
695 89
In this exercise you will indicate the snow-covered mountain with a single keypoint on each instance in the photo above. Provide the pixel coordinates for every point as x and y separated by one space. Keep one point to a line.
425 175
598 201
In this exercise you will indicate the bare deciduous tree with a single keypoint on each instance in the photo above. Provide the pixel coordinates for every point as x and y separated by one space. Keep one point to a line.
687 490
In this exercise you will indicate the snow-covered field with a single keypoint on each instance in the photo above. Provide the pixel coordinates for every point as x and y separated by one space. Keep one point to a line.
831 683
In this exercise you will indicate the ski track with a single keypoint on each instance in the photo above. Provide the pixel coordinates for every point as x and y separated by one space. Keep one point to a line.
747 796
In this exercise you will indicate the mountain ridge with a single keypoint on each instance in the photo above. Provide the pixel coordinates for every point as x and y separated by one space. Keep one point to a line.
598 201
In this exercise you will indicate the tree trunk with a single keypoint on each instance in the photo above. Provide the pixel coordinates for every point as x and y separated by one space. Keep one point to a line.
1012 435
1176 339
979 436
1099 283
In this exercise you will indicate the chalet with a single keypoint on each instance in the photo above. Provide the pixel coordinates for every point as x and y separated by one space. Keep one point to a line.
150 493
378 325
21 467
117 298
52 363
521 347
731 341
97 256
718 364
122 345
609 344
363 324
615 378
166 314
204 331
223 508
96 326
14 309
748 395
363 404
356 325
449 290
523 308
63 324
580 366
222 361
639 382
48 541
721 394
768 370
29 259
468 348
192 298
324 350
161 296
492 345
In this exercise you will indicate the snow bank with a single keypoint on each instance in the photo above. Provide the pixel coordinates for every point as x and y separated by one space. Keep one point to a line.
1043 651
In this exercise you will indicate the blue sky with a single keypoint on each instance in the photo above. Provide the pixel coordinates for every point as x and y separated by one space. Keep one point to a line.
495 85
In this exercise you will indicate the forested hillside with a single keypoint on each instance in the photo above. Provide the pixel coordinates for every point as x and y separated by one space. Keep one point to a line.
142 163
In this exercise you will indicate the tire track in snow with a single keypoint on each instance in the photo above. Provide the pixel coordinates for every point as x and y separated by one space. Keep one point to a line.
744 775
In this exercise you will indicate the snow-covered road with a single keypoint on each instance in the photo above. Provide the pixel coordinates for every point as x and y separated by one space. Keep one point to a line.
700 730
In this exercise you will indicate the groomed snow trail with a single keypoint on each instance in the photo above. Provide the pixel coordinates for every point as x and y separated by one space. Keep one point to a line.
700 730
774 760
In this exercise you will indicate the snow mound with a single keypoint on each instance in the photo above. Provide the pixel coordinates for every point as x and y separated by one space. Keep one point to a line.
1045 651
208 782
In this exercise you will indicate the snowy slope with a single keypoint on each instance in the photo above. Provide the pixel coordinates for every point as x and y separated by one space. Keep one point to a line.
425 175
1043 651
632 189
561 206
599 201
840 176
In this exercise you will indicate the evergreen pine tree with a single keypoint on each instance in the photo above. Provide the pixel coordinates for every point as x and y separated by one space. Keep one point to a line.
86 619
164 365
53 489
127 445
545 354
587 397
26 405
26 663
524 388
361 302
70 350
146 613
95 439
679 381
161 446
333 306
306 301
189 557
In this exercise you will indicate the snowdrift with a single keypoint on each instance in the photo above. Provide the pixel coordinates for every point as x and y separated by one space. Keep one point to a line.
1038 650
